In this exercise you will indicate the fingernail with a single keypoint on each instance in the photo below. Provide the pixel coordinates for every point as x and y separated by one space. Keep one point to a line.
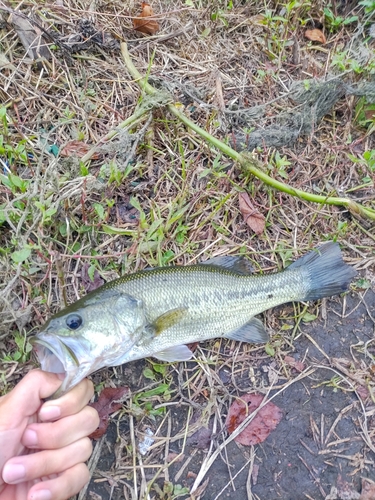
41 495
13 473
49 412
30 438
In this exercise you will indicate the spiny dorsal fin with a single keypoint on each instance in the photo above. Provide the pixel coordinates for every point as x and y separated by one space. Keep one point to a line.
237 264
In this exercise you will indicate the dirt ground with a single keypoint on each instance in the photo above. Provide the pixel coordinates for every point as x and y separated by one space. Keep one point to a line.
317 449
252 135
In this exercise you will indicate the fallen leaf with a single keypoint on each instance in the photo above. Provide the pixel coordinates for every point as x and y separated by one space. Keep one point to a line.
315 35
176 457
201 439
193 346
109 401
346 489
90 278
368 490
363 393
77 148
253 218
298 365
144 25
30 35
201 489
262 424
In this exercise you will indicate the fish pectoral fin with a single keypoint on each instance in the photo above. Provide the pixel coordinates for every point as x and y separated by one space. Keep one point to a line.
168 319
176 353
253 331
236 264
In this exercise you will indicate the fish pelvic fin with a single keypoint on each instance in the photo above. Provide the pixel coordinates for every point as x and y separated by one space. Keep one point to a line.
168 319
327 272
176 353
253 331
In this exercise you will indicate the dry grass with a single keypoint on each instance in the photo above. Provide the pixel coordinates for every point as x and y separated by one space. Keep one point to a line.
156 194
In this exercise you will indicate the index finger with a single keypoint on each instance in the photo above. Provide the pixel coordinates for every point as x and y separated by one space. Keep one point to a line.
69 404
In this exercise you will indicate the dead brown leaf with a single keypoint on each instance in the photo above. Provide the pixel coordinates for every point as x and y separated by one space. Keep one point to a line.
253 218
30 35
176 457
315 35
346 489
368 490
88 283
298 365
77 148
109 401
200 490
260 427
363 393
144 25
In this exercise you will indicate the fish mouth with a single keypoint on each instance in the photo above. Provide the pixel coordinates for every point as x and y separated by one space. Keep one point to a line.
54 356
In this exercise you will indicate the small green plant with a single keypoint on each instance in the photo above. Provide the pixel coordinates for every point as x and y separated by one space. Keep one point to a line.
369 158
170 491
155 371
10 153
22 349
144 401
221 11
47 210
280 163
343 62
369 6
365 113
334 23
14 183
366 163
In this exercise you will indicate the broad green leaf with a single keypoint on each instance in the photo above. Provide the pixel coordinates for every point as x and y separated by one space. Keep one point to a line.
21 255
307 317
148 373
99 209
269 350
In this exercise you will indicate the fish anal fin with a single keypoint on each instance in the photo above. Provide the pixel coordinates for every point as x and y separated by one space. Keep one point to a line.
176 353
236 264
168 319
253 331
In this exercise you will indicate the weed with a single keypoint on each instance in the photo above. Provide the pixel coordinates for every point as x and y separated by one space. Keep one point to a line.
143 402
334 22
279 164
369 6
22 351
170 491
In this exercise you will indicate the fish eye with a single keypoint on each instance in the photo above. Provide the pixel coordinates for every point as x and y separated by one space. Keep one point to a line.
73 321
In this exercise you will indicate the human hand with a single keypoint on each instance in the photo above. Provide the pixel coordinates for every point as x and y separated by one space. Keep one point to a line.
43 446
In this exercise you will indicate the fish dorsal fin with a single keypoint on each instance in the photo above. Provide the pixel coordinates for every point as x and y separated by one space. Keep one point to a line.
237 264
168 319
176 353
253 331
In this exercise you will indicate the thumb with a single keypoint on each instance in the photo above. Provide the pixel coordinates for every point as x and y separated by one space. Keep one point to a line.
28 395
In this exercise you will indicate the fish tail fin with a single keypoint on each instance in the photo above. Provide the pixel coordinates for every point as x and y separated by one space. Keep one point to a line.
327 272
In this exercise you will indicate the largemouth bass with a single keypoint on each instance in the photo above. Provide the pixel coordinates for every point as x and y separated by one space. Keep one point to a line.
157 312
